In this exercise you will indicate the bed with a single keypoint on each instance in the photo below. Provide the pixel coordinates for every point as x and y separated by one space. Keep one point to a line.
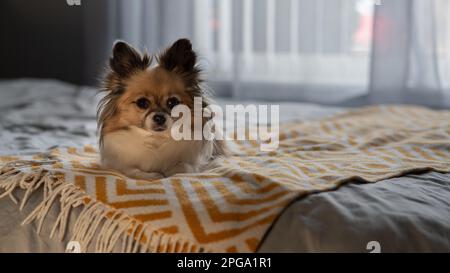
410 213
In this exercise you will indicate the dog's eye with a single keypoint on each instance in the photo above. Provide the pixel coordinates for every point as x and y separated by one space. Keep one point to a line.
143 103
172 102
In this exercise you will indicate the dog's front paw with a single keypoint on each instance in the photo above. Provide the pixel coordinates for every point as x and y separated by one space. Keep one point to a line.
153 176
181 168
138 174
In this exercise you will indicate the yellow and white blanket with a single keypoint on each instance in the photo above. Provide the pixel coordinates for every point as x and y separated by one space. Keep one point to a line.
230 208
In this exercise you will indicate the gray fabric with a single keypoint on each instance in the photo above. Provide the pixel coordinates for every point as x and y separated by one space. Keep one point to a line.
410 213
36 115
406 214
17 238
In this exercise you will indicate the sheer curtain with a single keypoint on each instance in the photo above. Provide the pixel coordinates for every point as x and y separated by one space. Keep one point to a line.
328 51
411 53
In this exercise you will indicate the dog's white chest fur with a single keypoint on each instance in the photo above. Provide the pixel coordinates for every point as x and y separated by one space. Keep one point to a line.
139 153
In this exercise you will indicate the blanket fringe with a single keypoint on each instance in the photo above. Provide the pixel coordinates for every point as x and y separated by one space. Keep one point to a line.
98 225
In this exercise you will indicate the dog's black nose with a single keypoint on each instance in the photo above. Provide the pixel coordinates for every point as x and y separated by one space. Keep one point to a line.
159 119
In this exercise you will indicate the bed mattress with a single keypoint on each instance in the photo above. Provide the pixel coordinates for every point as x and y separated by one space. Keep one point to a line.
409 213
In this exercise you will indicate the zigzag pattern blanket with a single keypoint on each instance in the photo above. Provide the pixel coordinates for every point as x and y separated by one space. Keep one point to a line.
230 208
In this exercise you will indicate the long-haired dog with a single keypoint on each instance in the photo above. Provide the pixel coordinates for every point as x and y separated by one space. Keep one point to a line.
134 117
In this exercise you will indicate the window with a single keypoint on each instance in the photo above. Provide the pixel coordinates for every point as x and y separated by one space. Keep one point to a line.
308 50
443 41
306 42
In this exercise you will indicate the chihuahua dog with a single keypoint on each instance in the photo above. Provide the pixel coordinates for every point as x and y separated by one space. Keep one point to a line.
134 117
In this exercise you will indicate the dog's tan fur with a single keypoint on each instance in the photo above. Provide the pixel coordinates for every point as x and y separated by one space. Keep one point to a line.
131 78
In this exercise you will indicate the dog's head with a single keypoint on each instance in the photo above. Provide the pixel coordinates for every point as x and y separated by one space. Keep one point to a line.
143 96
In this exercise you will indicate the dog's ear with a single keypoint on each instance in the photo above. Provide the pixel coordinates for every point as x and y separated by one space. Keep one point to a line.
126 60
179 57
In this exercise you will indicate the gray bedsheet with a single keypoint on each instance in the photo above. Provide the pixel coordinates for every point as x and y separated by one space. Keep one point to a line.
406 214
410 213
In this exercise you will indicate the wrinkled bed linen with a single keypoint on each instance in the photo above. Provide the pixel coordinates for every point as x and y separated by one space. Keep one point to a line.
405 214
410 213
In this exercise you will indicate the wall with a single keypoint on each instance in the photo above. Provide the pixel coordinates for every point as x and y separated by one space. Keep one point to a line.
41 39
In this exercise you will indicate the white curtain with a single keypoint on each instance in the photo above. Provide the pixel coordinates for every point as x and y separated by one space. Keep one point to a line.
328 51
410 56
